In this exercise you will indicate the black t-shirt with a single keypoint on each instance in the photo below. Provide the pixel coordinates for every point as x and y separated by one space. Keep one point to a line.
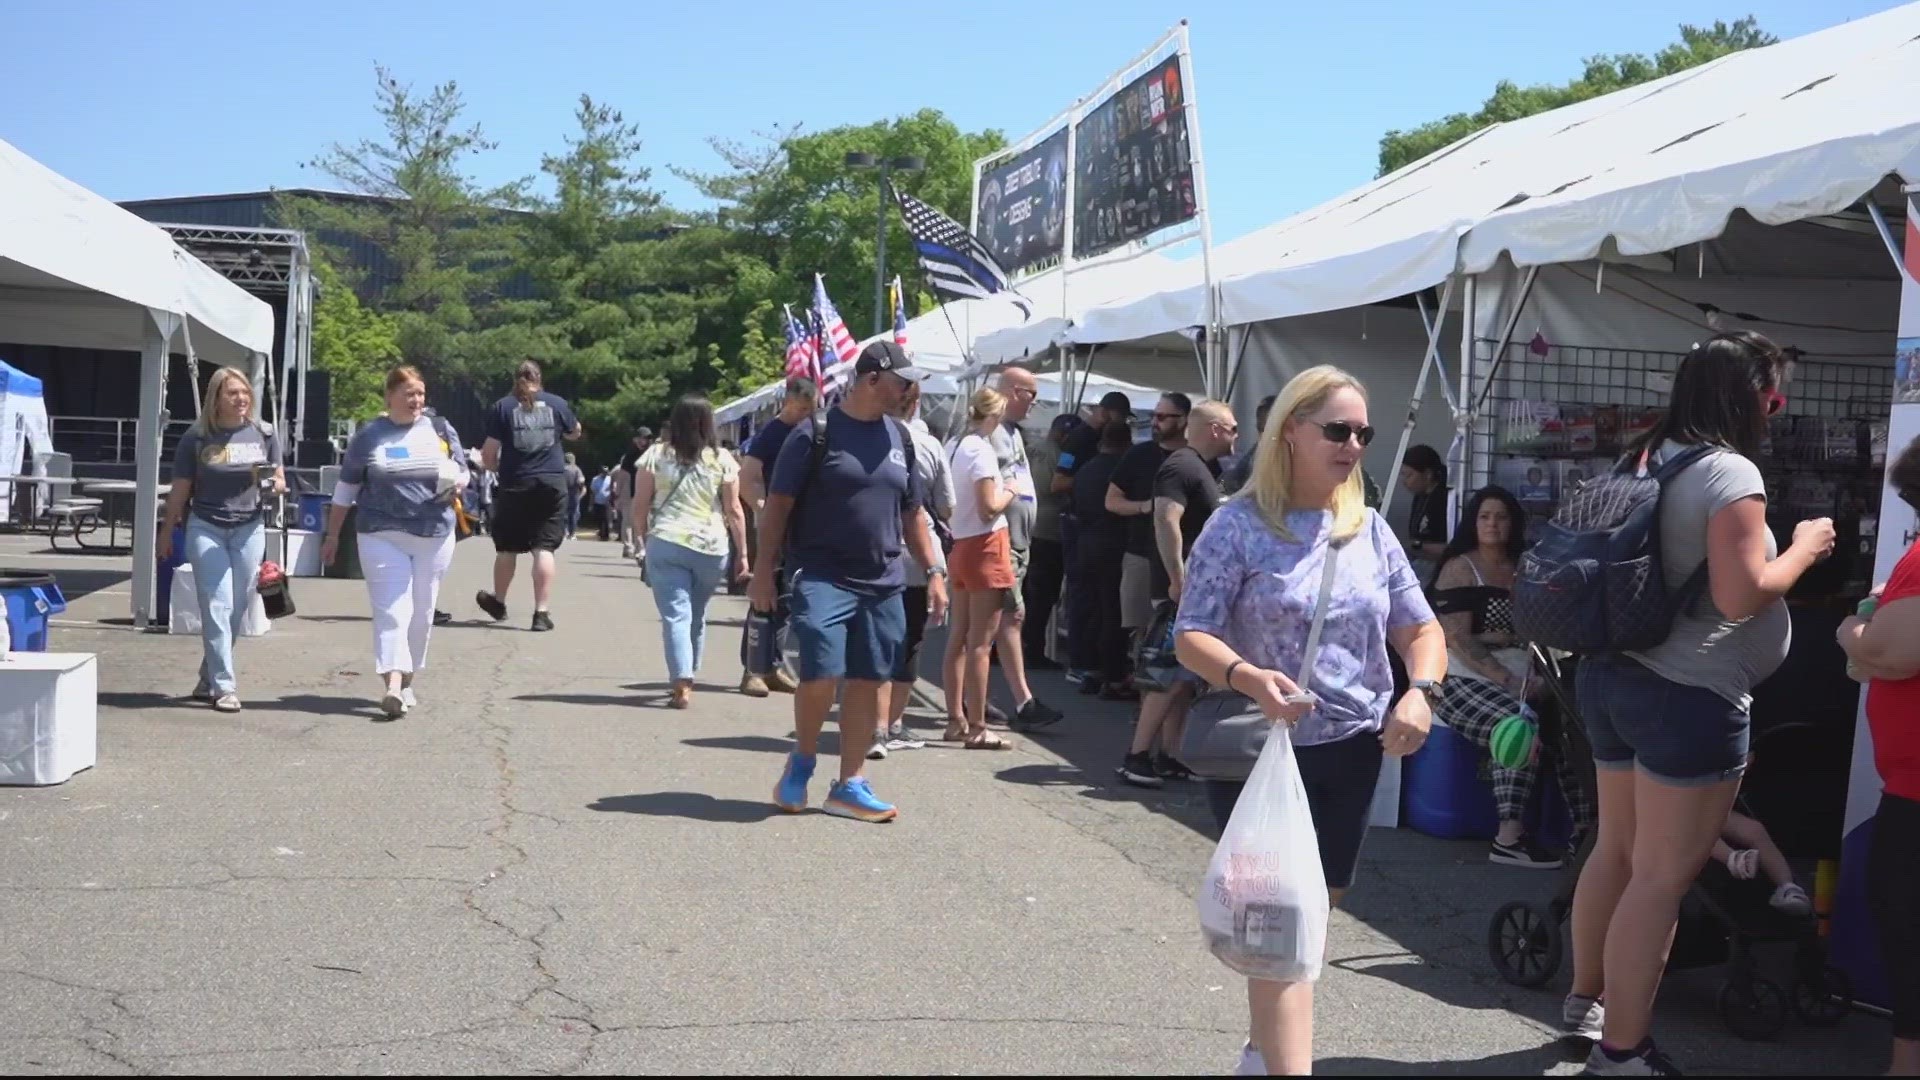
1089 499
1080 448
1428 523
766 445
630 461
1193 482
529 436
1134 476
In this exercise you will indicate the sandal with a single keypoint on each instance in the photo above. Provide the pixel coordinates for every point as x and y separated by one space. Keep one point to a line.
955 732
987 740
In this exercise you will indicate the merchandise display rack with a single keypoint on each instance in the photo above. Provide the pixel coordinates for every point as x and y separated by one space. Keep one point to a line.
1553 419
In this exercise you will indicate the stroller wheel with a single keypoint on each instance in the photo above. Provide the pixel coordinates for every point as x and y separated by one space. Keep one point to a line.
1753 1008
1524 943
1825 998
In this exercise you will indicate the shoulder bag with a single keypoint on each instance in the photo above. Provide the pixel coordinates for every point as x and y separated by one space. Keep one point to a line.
1226 729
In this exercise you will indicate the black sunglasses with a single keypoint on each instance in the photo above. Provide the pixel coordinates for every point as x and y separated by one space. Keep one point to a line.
1340 431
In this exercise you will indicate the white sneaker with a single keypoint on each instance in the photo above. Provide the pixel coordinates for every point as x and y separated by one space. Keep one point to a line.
1791 899
878 752
407 700
905 744
1251 1063
1582 1018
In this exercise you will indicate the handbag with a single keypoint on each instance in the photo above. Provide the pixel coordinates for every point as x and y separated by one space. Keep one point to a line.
653 512
1155 664
1226 729
275 594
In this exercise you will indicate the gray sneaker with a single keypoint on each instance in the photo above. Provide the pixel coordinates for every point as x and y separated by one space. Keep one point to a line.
1582 1018
1646 1061
407 700
877 752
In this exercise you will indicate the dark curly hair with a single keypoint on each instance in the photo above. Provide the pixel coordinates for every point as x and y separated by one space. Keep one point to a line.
1904 475
1467 536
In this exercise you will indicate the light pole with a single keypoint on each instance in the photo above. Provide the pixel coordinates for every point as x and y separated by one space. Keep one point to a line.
861 161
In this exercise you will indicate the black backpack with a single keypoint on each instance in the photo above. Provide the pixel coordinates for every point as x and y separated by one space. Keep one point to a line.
1594 582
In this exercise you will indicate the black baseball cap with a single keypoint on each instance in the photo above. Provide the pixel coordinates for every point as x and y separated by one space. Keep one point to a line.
889 357
1117 403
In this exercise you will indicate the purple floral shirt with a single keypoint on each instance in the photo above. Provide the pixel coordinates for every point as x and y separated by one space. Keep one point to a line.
1255 590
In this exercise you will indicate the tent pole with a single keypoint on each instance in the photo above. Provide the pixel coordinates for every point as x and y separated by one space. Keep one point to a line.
1429 360
1886 237
1237 360
1506 337
1457 453
146 457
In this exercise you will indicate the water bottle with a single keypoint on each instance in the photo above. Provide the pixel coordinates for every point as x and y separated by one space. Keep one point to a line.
762 646
1865 612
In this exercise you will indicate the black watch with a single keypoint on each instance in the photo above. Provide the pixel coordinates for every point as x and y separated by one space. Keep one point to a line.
1433 688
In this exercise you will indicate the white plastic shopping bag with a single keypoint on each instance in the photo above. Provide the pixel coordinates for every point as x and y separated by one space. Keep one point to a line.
1263 903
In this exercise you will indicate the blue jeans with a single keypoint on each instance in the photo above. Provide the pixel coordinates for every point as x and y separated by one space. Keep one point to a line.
226 574
683 581
1683 736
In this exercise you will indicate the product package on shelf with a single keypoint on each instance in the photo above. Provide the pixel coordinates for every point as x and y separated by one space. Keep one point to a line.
1842 442
1877 444
1571 474
1811 496
1583 430
1531 480
1640 423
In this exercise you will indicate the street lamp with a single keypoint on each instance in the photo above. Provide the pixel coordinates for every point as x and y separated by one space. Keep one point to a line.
860 161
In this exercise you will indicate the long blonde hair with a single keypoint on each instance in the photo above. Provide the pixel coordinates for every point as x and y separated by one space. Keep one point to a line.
210 405
1271 486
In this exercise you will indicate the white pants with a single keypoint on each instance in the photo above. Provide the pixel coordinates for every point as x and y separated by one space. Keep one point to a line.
403 581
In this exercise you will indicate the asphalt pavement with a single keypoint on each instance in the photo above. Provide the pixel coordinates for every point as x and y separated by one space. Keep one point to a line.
544 870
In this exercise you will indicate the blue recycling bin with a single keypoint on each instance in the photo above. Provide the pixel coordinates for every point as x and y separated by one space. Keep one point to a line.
313 513
32 598
163 580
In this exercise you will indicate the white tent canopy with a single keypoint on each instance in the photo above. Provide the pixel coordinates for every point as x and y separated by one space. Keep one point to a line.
1797 129
76 270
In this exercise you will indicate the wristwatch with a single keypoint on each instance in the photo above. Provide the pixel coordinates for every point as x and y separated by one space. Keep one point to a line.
1430 687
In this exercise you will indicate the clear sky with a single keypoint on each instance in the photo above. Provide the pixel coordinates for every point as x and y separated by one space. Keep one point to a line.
139 99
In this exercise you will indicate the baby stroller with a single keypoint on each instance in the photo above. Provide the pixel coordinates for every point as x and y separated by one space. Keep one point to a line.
1721 918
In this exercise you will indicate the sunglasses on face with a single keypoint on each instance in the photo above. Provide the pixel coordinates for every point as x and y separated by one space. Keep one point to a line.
1169 416
1339 432
1776 402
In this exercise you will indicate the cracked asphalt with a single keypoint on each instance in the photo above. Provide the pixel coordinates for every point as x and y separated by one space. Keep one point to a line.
542 870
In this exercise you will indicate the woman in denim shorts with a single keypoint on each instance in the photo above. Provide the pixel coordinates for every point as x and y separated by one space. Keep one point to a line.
1669 726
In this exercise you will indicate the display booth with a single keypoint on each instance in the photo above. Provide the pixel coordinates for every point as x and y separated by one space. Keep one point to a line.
24 439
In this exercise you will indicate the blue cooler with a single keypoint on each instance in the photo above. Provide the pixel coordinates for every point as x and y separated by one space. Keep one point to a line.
163 580
313 514
1442 790
32 597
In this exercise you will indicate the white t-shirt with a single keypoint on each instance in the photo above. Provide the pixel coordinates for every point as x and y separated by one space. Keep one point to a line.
973 461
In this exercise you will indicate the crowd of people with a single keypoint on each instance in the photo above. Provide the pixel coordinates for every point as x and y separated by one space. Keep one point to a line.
870 528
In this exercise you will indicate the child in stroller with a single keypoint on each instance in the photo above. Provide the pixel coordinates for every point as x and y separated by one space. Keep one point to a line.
1723 917
1757 852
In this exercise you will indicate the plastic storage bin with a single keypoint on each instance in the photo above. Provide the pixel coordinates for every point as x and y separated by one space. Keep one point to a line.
49 717
31 597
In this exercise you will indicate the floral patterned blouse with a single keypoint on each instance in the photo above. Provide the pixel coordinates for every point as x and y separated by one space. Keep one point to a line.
1255 590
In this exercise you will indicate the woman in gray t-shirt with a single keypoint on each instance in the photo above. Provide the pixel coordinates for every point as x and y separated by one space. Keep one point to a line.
226 465
1670 725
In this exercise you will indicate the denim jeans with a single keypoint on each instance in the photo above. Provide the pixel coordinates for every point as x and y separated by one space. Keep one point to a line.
226 574
683 581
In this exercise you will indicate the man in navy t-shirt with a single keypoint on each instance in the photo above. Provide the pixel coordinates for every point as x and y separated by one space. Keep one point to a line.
524 432
840 529
756 467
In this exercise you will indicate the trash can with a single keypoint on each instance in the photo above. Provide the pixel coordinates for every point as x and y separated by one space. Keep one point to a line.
313 513
347 563
163 580
31 597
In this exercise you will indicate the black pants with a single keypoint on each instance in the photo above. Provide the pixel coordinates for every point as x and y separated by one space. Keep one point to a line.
1098 640
1893 892
1046 568
1339 778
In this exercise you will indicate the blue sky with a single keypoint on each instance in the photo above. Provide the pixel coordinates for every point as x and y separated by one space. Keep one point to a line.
141 100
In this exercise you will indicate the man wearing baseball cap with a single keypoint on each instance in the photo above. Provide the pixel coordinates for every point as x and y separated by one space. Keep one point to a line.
841 511
1081 446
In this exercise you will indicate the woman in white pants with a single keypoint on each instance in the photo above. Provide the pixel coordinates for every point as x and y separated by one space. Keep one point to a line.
401 471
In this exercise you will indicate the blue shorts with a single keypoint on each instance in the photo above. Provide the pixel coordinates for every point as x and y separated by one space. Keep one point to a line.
1681 735
842 634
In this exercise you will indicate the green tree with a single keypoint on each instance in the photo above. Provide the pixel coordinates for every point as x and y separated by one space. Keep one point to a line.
450 241
353 344
1603 75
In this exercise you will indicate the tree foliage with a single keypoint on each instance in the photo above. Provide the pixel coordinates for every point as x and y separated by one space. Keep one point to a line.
1602 75
354 345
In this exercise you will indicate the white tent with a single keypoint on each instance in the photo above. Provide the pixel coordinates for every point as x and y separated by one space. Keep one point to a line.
76 270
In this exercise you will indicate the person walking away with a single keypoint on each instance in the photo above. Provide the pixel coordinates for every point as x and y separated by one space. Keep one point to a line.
1130 496
1424 475
1885 649
1079 447
1185 493
576 488
630 547
523 445
1098 637
399 475
982 566
1489 669
1047 561
936 481
1670 726
840 519
602 500
689 489
224 468
1249 596
1021 389
802 398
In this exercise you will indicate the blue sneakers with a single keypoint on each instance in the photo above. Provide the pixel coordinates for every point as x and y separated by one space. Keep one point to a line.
791 793
854 799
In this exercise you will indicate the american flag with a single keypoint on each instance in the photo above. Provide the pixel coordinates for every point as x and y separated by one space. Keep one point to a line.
836 340
803 360
899 315
957 265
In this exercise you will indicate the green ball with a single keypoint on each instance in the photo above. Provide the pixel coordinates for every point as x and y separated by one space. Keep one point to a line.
1513 741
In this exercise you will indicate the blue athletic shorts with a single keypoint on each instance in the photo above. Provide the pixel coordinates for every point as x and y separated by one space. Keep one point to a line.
1685 736
843 634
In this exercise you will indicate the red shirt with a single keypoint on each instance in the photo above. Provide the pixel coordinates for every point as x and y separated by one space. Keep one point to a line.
1893 708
